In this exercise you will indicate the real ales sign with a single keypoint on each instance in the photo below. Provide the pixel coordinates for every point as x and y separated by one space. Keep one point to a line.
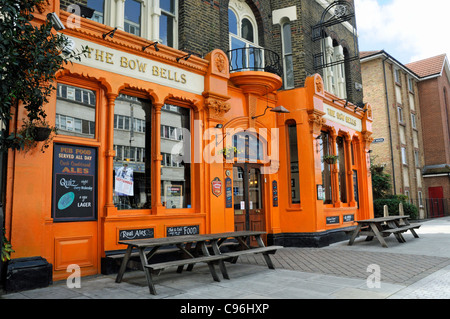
74 194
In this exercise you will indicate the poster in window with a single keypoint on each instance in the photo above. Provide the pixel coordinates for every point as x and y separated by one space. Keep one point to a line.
123 181
74 192
173 196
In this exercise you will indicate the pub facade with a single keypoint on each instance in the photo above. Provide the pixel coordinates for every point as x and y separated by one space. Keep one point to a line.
165 133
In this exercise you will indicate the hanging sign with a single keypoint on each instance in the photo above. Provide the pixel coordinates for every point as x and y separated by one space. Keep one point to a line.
228 193
216 186
275 194
74 193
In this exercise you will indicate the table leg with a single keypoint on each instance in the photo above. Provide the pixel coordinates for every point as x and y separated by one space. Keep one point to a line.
266 256
378 235
147 271
355 233
216 250
123 266
406 222
399 236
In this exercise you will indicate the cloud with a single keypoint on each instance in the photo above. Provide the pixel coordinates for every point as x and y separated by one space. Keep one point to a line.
409 30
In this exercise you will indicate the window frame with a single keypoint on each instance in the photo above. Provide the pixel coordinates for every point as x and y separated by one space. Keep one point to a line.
284 40
292 204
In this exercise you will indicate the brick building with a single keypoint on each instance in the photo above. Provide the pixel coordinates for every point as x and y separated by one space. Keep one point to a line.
433 89
398 144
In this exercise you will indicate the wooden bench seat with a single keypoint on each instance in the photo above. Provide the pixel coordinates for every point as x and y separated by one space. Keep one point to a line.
210 260
259 250
401 229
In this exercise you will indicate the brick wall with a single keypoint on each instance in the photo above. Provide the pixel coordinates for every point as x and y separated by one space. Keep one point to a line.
200 36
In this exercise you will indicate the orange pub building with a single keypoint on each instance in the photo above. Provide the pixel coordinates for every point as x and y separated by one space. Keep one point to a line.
154 142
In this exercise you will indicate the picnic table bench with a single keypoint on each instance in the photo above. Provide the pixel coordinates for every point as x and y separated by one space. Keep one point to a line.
384 226
194 249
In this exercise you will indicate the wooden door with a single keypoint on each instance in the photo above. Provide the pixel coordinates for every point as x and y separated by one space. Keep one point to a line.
436 201
248 198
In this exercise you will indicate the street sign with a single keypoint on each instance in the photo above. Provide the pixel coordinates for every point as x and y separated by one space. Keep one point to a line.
378 140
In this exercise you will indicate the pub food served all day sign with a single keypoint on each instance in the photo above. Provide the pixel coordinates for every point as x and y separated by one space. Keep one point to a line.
74 193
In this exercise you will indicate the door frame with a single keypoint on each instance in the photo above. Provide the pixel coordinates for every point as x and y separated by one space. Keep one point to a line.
246 167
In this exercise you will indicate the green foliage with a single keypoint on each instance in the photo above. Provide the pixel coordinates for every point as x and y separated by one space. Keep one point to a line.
392 203
6 249
381 182
31 56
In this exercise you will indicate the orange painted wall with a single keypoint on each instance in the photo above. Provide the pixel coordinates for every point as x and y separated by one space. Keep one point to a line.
230 100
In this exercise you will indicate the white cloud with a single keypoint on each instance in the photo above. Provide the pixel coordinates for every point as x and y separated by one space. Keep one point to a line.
409 30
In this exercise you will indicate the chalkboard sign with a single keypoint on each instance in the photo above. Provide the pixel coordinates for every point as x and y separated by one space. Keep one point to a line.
74 193
182 230
333 220
349 218
128 234
228 193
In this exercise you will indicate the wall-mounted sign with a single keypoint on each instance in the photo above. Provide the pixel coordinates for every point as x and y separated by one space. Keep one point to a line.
228 193
129 234
74 193
216 186
378 140
275 193
112 60
182 230
349 218
320 192
332 220
341 117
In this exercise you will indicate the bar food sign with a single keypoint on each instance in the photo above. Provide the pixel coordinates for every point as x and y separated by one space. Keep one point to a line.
74 193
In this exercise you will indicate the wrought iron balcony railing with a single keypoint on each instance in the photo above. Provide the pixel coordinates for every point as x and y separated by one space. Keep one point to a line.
255 59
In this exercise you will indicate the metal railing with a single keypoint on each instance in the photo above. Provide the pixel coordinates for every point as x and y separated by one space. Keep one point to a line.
433 207
255 59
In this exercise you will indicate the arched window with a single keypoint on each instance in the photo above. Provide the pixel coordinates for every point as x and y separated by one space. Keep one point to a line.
245 52
287 55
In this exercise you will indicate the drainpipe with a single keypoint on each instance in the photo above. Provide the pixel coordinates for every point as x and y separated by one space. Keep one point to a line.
389 124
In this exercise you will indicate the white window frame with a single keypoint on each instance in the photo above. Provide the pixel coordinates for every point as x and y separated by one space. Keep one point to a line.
404 157
242 11
419 195
411 84
334 76
397 76
413 121
287 54
401 117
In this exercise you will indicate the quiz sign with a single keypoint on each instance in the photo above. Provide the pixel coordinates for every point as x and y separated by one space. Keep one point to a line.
74 194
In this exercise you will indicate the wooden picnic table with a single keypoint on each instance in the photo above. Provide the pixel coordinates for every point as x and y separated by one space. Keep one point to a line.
194 249
381 227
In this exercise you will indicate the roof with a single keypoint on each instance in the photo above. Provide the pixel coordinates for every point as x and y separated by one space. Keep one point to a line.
369 55
428 67
364 54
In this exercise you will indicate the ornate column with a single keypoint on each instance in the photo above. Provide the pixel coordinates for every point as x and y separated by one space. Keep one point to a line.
349 175
157 158
110 153
334 171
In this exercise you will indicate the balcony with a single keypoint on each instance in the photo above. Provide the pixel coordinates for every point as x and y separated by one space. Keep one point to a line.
255 70
255 59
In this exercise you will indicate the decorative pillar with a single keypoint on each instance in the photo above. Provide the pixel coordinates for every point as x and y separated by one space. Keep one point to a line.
334 171
120 14
110 153
349 175
157 158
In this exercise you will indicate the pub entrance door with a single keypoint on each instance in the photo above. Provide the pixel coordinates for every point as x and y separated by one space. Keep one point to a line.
248 198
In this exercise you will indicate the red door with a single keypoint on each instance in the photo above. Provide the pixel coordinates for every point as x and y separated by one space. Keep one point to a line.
436 201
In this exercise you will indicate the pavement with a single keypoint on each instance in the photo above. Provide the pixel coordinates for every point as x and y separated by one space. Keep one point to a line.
417 269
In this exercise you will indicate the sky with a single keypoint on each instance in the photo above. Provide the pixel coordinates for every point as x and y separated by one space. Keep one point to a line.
408 30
